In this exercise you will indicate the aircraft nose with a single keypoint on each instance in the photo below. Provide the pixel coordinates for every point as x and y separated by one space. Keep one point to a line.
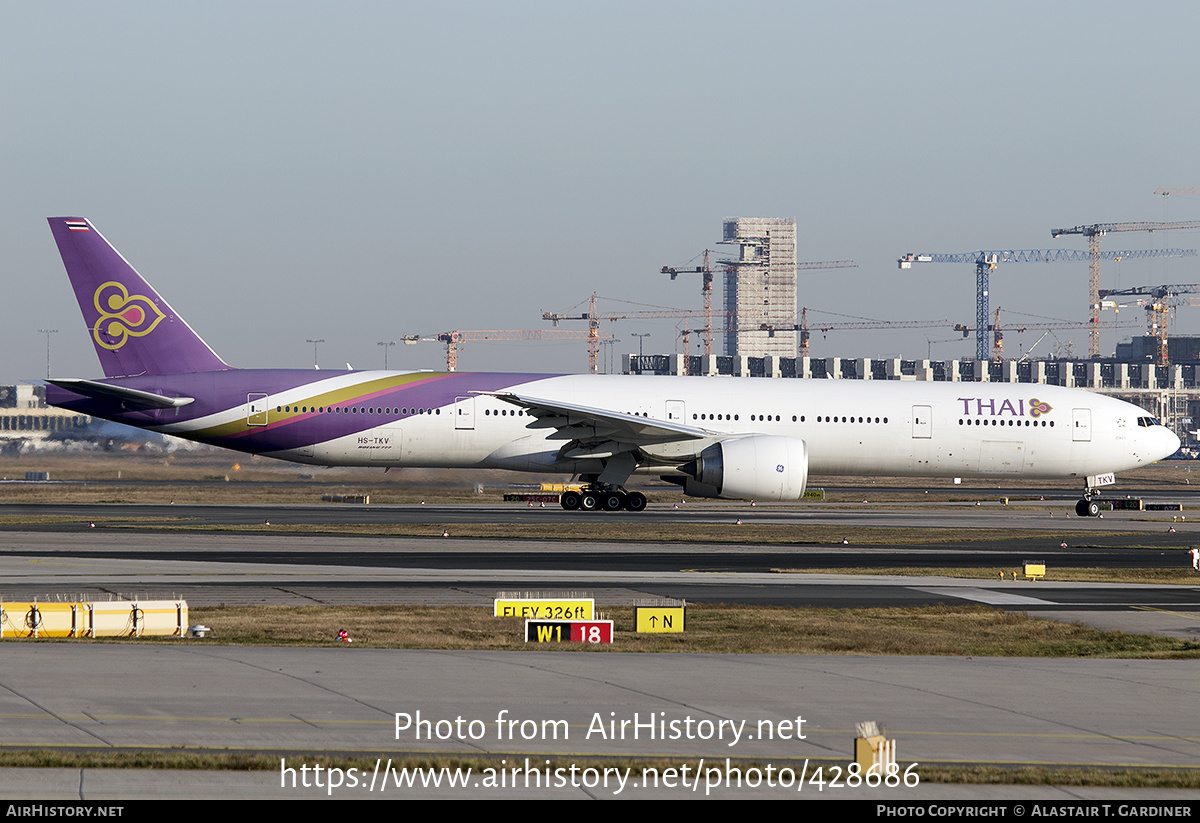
1171 443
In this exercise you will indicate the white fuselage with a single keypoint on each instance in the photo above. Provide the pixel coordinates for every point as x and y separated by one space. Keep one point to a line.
850 427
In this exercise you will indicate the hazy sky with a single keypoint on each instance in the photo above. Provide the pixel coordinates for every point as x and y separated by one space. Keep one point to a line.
360 171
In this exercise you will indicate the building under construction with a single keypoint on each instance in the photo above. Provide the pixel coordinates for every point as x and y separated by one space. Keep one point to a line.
760 287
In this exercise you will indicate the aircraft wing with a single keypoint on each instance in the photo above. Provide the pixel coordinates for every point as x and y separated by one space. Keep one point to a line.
587 422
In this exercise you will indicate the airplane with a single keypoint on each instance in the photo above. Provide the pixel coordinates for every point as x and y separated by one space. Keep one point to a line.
740 438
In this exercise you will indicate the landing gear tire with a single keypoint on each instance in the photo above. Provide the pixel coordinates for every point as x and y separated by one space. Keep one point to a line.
1087 508
612 501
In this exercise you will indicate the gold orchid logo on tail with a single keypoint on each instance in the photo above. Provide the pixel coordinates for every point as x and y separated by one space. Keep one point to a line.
122 315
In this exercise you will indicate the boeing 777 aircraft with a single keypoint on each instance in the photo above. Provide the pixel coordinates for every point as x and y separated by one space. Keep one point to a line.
717 437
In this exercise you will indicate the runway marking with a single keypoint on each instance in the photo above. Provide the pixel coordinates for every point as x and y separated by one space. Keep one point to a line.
42 561
1186 615
988 596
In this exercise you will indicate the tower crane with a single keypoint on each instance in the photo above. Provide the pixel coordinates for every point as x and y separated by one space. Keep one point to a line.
998 331
852 323
987 260
594 317
1093 233
706 287
455 339
1158 305
705 294
827 264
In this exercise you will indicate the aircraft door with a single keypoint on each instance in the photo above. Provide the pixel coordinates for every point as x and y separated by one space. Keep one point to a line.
1081 425
1001 456
676 411
922 422
384 445
256 409
464 412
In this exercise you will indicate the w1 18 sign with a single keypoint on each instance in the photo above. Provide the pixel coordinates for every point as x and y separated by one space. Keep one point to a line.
568 631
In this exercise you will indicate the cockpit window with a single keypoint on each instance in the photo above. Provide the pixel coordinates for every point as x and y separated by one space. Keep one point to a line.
1147 422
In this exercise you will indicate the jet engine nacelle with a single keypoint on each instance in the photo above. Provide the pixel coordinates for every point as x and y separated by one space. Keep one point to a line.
760 467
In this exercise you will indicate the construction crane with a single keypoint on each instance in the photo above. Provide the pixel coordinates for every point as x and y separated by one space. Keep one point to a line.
985 261
706 288
1167 191
594 317
705 294
686 336
1093 233
998 331
455 339
998 335
1158 305
855 323
930 343
828 264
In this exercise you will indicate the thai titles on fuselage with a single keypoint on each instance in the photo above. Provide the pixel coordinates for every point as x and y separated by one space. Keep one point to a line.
993 407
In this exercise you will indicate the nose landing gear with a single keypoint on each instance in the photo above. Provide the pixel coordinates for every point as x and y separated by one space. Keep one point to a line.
1088 507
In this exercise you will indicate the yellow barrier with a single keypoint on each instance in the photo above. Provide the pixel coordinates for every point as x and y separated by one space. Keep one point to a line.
114 618
40 619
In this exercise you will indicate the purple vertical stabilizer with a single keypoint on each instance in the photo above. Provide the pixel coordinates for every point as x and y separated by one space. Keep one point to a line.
134 330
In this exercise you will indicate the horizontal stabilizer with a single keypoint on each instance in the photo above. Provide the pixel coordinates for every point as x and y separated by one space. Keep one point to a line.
130 397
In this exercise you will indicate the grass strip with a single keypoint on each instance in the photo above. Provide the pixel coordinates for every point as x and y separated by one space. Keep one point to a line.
943 630
206 760
42 520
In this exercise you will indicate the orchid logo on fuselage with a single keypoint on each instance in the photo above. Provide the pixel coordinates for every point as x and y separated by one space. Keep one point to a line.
122 315
992 407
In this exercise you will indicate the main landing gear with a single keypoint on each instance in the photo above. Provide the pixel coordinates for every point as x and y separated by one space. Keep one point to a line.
592 499
1088 507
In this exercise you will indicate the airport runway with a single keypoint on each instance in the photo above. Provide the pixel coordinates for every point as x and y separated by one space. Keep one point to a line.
203 695
123 554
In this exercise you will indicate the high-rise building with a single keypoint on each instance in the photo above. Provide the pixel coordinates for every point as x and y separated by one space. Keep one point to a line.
760 287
